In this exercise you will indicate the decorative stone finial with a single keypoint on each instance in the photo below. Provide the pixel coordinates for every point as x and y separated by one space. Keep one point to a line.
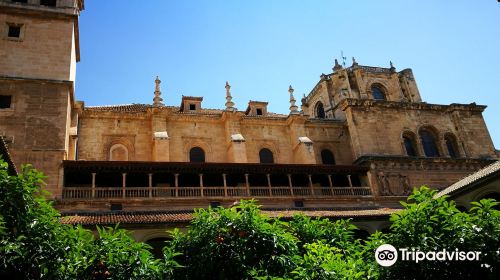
393 69
294 109
229 102
157 100
354 63
303 102
337 66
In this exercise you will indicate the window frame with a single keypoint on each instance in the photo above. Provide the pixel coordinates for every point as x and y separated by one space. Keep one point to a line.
450 141
377 88
320 114
200 157
409 138
7 30
430 148
117 146
45 5
10 99
266 152
324 155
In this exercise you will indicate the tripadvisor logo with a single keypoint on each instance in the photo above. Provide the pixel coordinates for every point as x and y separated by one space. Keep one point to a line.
387 255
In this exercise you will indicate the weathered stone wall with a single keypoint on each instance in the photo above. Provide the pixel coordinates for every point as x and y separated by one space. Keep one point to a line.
376 128
356 82
99 131
45 50
36 125
398 176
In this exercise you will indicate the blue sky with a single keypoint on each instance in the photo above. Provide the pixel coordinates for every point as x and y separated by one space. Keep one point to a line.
261 47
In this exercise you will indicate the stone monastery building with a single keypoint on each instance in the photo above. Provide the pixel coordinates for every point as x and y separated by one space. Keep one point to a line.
354 147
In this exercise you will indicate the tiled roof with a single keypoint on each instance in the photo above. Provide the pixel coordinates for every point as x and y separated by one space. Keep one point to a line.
333 213
127 218
140 108
4 152
130 108
185 217
490 170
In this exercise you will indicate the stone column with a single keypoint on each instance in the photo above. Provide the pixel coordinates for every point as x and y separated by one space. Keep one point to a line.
310 183
93 185
150 184
225 184
201 185
124 183
269 184
161 149
330 182
290 183
247 184
350 184
176 176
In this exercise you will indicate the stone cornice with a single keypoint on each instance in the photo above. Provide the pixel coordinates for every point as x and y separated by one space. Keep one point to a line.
367 103
69 84
421 163
40 10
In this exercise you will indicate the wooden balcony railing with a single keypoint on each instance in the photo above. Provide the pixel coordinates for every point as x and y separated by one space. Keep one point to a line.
88 193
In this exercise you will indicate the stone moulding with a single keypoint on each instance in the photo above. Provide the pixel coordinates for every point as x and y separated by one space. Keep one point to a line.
367 103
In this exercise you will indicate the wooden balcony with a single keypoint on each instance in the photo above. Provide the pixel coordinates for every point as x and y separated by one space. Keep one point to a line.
89 193
104 180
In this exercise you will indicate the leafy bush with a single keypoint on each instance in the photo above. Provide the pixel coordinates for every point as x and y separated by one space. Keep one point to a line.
429 224
230 243
241 243
337 233
35 245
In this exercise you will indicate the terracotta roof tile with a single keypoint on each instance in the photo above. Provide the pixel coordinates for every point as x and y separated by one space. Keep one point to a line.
332 213
129 108
139 108
185 217
127 218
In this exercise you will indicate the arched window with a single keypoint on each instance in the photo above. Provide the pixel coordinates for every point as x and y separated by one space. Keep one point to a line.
378 93
327 157
429 143
409 143
266 156
451 145
118 152
197 154
320 111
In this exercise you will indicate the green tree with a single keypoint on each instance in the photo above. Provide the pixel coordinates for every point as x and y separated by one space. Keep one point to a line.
31 247
231 243
35 245
434 224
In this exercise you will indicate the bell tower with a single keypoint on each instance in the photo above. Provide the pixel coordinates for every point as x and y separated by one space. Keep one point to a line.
39 49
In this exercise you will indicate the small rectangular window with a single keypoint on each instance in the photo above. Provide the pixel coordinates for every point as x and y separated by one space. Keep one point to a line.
20 1
14 31
298 204
50 3
5 101
259 112
192 107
